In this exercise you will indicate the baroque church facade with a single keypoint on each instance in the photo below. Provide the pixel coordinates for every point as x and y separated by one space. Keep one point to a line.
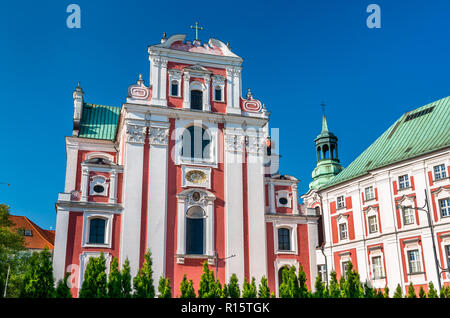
184 168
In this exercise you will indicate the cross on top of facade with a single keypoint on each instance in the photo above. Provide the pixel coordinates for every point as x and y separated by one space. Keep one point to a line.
196 27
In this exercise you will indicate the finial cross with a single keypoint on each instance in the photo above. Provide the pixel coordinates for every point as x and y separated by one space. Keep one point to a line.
196 27
322 105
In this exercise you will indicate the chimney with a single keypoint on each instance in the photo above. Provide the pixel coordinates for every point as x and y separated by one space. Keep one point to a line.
77 108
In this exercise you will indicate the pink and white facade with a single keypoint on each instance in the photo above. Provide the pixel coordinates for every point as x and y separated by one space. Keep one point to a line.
186 175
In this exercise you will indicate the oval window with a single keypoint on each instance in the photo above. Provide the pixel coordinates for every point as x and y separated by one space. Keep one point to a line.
99 188
283 201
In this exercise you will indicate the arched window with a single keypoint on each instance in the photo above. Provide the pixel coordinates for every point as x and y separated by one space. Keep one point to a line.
332 152
319 226
97 231
284 240
174 88
319 153
195 224
218 93
196 99
196 143
325 151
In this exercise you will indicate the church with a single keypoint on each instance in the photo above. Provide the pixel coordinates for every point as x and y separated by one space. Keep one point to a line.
185 168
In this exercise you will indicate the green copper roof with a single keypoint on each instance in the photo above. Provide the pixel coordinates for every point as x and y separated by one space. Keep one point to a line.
99 122
416 133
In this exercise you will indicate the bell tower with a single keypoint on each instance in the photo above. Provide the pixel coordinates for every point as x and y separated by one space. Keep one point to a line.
328 164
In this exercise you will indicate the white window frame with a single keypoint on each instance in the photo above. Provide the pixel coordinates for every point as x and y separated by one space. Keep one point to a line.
442 173
445 242
293 237
377 269
342 226
407 203
404 182
98 180
180 126
373 217
84 260
286 195
416 262
87 217
175 76
344 259
446 207
372 193
441 194
416 277
408 213
218 81
340 204
280 263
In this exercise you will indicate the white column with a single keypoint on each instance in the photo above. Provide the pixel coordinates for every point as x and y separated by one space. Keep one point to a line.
157 197
233 90
312 244
159 80
113 187
84 183
132 184
256 203
207 94
392 258
186 91
181 224
59 252
429 255
234 223
294 188
71 167
209 248
271 198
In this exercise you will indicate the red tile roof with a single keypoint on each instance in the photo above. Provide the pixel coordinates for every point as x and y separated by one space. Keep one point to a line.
39 237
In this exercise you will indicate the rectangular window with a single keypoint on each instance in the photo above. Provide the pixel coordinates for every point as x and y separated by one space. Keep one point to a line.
340 202
439 172
444 206
408 215
447 253
414 262
218 94
403 182
343 233
370 195
284 242
322 269
373 224
174 88
377 267
344 266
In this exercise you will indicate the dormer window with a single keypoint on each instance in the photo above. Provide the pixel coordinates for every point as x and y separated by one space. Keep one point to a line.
403 182
439 172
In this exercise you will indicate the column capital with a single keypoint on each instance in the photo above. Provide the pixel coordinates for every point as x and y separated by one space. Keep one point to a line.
159 136
135 133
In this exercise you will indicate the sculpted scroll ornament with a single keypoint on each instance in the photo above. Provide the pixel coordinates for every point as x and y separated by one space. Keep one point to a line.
234 142
159 136
136 134
255 145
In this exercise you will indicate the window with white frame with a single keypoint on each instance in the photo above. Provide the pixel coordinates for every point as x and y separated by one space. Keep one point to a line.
218 93
98 186
284 239
414 262
344 267
218 83
97 231
403 182
373 224
439 172
447 254
175 83
377 267
343 231
444 207
322 270
408 215
174 88
340 202
370 194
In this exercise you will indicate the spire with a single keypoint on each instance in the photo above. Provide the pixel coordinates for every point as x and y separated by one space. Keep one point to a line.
324 124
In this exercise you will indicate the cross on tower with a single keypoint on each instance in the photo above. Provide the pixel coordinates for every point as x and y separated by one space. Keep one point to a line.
322 105
196 27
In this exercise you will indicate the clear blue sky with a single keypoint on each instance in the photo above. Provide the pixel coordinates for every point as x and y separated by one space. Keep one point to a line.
296 55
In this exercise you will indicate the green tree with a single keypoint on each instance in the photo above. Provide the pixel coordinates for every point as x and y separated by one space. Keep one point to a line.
398 292
143 282
411 291
249 289
303 291
422 293
379 293
125 279
209 288
334 289
38 281
233 290
352 287
445 292
187 288
319 286
95 279
289 287
432 292
263 288
14 258
115 281
62 288
386 291
164 288
368 291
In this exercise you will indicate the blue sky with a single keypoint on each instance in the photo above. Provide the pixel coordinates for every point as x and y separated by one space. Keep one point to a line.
296 55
